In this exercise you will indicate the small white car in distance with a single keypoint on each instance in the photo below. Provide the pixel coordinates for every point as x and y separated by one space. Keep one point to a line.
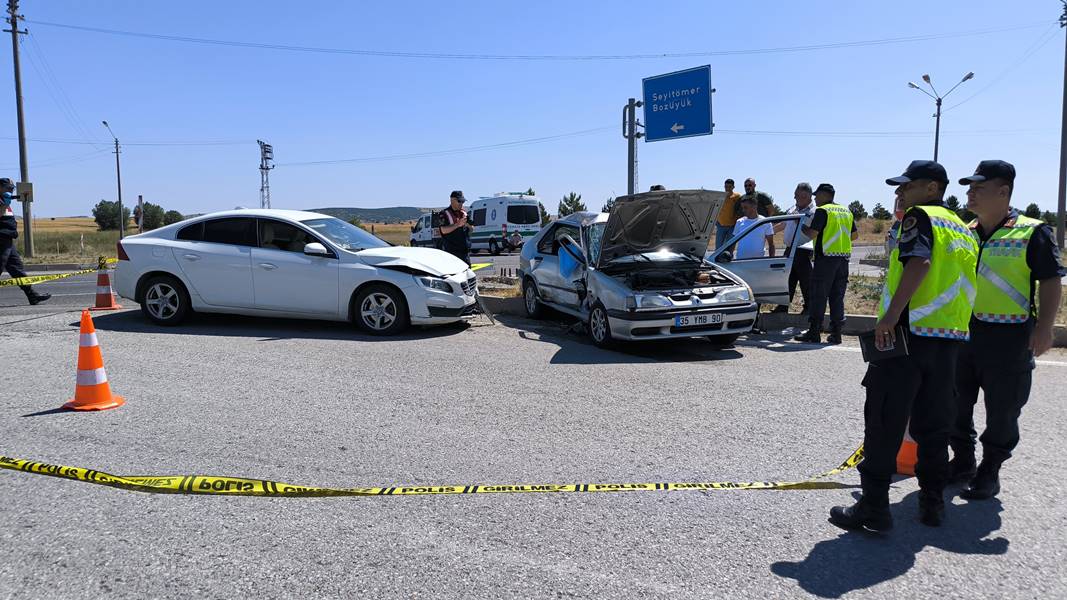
286 263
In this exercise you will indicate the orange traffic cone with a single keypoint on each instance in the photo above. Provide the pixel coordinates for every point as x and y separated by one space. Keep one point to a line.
105 297
92 391
908 454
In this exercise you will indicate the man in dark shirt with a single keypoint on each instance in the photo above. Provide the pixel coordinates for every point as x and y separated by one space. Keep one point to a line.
764 203
1014 254
829 278
10 260
455 229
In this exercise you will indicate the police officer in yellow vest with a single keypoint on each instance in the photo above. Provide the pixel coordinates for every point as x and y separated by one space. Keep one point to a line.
927 299
832 229
1014 251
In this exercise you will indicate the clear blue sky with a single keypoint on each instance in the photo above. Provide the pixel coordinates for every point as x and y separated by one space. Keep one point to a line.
317 106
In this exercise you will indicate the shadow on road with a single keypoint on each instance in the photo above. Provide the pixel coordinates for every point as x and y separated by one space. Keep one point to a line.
856 561
265 328
576 348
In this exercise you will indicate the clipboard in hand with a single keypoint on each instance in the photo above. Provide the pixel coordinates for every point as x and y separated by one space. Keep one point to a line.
871 353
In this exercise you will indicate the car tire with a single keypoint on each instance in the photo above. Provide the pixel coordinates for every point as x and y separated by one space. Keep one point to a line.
530 300
725 339
165 301
494 248
380 310
599 327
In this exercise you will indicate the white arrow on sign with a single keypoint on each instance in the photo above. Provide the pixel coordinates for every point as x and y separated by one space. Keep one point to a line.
676 127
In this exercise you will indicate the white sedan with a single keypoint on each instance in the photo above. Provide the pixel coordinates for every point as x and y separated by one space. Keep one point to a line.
287 263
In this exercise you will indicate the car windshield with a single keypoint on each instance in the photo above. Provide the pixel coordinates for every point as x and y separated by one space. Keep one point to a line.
346 235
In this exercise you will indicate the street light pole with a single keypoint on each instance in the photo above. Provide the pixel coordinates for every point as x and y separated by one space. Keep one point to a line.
937 100
24 169
118 179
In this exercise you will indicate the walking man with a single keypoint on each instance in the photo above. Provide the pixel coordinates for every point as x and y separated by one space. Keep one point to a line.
1014 253
10 260
833 230
927 300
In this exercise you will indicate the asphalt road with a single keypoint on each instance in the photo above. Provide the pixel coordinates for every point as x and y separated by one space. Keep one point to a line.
520 402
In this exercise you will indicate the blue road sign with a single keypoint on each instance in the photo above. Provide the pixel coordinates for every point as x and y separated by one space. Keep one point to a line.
678 104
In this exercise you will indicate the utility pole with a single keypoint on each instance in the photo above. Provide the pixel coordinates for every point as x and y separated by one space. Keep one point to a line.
1062 206
24 168
118 179
266 163
629 131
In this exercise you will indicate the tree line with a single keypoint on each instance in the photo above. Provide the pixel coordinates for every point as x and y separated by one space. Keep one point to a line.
106 215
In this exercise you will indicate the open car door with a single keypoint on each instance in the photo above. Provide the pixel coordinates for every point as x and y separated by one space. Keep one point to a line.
767 275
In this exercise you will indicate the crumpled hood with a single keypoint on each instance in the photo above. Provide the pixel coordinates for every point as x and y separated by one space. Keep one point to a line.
675 220
434 262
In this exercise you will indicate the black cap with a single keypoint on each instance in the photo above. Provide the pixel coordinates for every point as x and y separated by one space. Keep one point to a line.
921 169
5 182
825 187
458 195
991 169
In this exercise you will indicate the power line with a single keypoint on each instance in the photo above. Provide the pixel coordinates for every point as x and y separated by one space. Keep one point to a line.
64 160
145 143
55 90
1043 39
546 57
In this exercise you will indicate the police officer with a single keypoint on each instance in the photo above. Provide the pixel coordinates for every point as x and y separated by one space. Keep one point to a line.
10 260
833 229
928 295
455 229
1014 251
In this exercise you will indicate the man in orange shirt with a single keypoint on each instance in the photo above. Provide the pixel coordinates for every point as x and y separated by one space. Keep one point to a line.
727 215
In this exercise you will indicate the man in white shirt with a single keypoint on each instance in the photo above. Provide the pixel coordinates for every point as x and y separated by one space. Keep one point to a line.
801 271
751 246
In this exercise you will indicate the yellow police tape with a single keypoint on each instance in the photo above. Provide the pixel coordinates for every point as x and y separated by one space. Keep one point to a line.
240 486
477 266
42 278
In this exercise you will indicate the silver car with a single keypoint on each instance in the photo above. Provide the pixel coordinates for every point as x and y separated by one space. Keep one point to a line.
643 272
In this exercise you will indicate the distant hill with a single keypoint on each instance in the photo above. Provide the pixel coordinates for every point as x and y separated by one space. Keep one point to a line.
395 214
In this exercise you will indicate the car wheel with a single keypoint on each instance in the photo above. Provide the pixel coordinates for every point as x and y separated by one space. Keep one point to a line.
381 310
166 301
726 339
599 329
534 309
494 248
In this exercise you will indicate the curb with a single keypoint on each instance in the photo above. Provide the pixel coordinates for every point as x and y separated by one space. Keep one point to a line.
55 267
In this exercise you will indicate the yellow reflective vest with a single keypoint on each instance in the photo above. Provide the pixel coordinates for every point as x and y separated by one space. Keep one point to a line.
837 235
1003 275
942 305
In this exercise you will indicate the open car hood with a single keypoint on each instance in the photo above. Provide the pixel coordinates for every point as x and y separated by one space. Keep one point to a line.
427 260
678 221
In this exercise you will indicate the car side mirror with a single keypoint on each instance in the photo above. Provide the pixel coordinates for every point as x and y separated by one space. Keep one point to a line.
725 257
316 249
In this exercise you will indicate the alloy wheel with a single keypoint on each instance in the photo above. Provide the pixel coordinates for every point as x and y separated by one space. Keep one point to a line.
378 311
162 301
598 325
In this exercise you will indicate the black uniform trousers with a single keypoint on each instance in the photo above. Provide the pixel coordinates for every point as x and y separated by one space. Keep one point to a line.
1006 385
829 279
11 261
800 273
920 386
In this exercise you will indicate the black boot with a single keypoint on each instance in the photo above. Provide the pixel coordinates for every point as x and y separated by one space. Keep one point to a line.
986 482
866 514
34 297
835 334
931 508
962 467
811 336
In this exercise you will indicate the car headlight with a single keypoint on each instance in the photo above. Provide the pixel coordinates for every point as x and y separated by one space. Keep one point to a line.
736 294
646 301
435 284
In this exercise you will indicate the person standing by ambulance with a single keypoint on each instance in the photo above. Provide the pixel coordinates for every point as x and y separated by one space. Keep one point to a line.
10 260
1014 253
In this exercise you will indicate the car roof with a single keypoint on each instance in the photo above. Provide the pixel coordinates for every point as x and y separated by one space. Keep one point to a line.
292 215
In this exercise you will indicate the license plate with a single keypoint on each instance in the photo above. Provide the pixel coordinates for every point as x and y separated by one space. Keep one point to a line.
697 320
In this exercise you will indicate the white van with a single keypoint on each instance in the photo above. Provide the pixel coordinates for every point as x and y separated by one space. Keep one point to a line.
500 216
424 235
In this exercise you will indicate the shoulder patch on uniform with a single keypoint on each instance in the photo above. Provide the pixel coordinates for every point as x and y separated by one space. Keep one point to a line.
909 223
